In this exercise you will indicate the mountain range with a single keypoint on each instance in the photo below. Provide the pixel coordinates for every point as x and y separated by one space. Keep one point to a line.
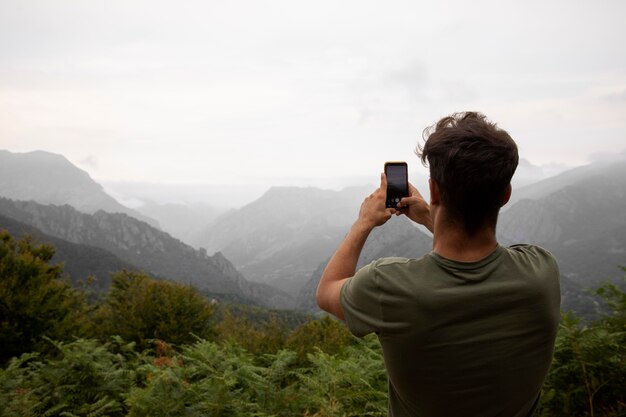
281 238
272 251
583 222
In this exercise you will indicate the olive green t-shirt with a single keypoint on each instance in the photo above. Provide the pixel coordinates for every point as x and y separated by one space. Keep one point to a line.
460 338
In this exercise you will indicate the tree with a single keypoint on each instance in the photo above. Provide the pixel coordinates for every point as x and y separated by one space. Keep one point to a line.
34 300
256 338
326 334
139 309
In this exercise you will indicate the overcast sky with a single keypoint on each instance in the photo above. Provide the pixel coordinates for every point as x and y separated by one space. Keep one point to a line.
240 92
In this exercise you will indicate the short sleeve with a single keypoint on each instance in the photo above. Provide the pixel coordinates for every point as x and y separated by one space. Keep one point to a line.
360 301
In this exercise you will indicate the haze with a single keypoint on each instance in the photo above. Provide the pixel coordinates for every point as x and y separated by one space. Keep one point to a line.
321 93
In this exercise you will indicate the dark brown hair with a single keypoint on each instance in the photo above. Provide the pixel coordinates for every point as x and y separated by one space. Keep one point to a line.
472 161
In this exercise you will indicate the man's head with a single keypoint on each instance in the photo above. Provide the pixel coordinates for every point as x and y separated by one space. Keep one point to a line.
472 162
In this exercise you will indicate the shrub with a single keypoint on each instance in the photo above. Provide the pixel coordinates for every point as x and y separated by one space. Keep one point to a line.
588 374
85 379
352 384
205 379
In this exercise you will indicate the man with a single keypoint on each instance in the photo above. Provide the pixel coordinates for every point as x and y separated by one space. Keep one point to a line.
469 328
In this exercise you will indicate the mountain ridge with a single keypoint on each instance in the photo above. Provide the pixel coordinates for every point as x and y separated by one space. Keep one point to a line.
142 246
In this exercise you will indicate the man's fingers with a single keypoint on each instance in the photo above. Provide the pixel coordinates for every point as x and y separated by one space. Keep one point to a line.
407 201
383 182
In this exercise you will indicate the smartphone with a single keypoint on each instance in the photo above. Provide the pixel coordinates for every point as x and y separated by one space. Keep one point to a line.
397 182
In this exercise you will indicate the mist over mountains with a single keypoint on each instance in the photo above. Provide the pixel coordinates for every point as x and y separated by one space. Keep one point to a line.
186 210
272 250
182 221
281 238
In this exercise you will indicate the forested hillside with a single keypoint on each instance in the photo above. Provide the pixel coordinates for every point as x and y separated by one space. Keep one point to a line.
272 250
82 263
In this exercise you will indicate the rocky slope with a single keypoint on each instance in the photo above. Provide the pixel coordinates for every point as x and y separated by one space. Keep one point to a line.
144 247
80 262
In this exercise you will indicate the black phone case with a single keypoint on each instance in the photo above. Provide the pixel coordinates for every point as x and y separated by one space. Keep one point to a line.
396 187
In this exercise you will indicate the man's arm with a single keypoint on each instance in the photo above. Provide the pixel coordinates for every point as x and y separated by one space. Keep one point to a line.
342 265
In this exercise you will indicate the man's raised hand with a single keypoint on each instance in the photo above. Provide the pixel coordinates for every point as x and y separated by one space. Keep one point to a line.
415 208
373 211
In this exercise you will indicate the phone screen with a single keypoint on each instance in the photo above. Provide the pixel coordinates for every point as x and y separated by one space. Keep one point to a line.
397 182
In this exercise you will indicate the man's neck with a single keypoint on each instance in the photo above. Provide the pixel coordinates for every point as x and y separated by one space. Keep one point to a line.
454 243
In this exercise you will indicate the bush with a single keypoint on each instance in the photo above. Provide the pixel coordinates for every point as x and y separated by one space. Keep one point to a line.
209 379
141 309
353 384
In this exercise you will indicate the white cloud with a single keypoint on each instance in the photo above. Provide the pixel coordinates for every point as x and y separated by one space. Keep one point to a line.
263 91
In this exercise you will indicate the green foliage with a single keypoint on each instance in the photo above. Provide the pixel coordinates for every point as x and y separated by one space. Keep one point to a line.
353 384
85 379
267 337
615 300
225 380
140 309
588 374
327 335
34 300
206 379
259 316
183 362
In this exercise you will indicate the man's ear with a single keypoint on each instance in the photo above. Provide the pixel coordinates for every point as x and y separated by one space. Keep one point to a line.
434 192
507 195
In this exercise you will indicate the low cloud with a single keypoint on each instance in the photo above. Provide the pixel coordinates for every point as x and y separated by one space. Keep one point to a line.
90 161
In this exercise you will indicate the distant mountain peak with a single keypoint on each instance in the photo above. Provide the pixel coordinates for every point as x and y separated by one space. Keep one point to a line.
40 156
50 178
